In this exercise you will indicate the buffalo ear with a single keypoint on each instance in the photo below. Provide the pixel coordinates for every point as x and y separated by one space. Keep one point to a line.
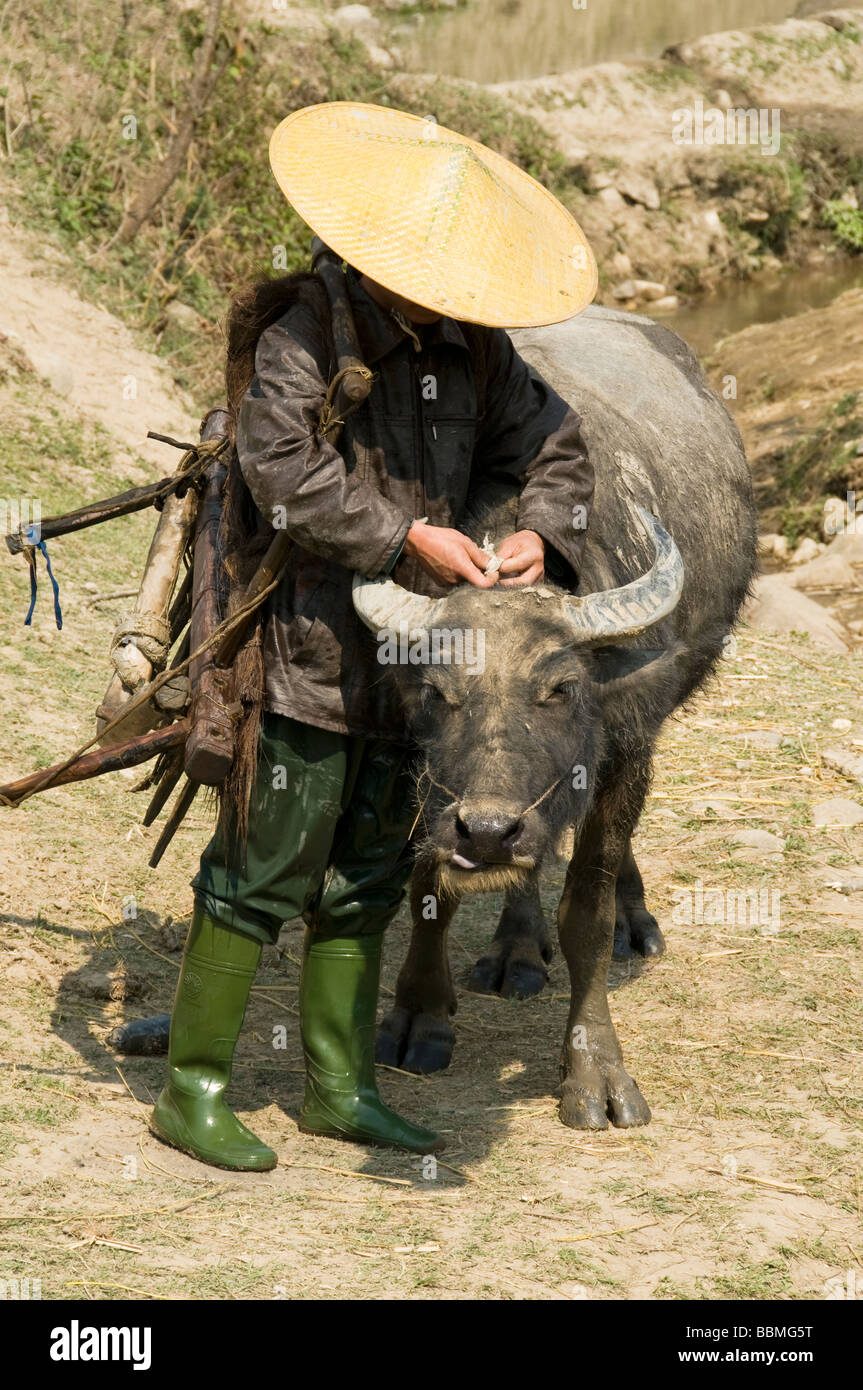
641 673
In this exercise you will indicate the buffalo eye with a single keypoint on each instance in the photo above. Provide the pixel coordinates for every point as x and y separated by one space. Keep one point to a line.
557 695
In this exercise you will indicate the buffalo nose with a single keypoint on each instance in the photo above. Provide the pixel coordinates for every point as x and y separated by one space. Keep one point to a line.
488 833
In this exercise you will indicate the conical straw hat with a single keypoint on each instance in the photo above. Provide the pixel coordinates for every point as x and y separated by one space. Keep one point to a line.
432 215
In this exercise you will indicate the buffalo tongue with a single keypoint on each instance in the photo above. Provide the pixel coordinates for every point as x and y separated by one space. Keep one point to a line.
462 863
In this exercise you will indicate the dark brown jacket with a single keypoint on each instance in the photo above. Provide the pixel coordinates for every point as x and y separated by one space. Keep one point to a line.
414 449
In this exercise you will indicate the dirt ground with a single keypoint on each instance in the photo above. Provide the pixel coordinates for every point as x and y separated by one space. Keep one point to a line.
744 1037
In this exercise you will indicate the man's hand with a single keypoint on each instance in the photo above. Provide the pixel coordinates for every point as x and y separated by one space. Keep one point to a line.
522 557
449 556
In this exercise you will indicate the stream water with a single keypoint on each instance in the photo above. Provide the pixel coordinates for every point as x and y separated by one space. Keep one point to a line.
499 40
740 303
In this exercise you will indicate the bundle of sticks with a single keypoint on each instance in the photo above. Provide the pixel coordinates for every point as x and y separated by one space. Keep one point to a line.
169 699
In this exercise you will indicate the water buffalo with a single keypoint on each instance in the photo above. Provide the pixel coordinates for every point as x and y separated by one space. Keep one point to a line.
559 726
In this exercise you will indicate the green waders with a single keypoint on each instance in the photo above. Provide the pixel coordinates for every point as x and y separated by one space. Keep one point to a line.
328 840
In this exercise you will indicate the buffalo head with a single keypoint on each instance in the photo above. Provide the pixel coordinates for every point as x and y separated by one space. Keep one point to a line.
511 695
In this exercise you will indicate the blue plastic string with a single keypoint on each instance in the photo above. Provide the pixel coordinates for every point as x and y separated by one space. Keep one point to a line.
33 539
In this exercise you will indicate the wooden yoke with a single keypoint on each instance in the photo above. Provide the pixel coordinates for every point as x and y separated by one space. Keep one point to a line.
210 745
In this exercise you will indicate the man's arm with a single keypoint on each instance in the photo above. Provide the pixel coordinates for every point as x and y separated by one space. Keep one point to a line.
529 434
298 480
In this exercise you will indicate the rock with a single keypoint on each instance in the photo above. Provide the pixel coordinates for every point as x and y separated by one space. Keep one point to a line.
183 314
357 21
666 304
649 289
638 188
721 98
839 811
621 264
806 551
772 544
625 290
848 880
639 289
850 544
841 725
720 809
826 571
834 518
301 22
841 760
777 607
380 57
712 221
760 840
761 738
611 199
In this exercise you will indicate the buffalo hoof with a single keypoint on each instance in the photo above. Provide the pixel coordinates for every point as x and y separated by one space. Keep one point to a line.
513 969
596 1096
420 1043
636 933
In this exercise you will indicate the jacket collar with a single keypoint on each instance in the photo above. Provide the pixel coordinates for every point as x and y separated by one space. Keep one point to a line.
379 332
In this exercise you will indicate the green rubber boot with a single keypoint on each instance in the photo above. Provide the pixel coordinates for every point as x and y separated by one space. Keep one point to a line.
338 1003
212 993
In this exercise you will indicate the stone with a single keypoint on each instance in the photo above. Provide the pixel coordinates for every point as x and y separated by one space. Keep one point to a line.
841 726
356 21
761 738
611 199
772 545
638 188
850 544
806 551
183 314
625 290
621 264
838 812
826 571
667 304
761 840
649 289
720 809
777 607
834 518
839 759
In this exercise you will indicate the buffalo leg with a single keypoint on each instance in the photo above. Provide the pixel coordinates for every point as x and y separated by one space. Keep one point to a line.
596 1086
636 931
515 963
417 1034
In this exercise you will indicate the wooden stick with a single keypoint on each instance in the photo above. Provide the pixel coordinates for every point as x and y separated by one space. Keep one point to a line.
168 782
112 759
181 806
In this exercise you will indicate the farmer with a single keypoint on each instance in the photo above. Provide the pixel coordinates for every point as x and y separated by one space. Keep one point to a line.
439 235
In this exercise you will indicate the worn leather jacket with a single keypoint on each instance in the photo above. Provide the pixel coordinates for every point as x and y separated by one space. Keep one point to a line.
424 439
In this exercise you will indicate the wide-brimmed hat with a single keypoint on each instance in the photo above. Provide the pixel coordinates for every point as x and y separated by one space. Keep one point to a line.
433 216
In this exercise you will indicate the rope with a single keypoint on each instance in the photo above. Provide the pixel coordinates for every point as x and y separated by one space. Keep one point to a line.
148 633
456 798
329 420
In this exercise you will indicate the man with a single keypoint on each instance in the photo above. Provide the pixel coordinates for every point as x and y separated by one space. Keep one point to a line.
440 235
